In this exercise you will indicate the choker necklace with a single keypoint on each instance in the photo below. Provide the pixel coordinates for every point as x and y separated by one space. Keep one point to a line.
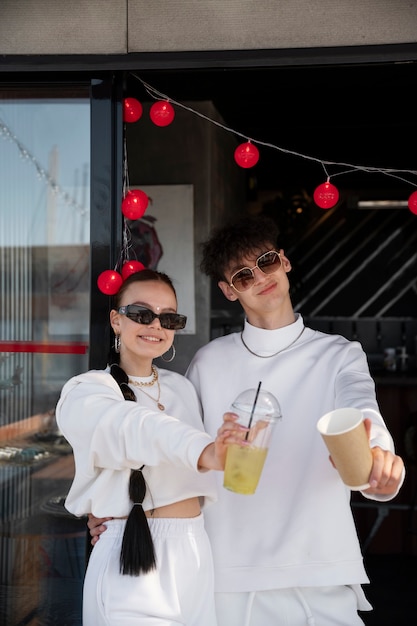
155 379
269 356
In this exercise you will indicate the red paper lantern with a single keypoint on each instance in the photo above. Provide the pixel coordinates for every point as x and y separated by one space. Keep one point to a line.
109 282
132 110
412 202
131 267
326 195
162 113
134 204
246 155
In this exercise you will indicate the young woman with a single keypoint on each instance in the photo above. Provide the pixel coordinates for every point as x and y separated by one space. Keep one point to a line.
140 454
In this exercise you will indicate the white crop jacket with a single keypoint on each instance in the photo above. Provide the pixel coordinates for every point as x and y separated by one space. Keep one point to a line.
111 436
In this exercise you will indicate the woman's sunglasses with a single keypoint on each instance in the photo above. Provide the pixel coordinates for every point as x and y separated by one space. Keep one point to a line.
142 315
268 263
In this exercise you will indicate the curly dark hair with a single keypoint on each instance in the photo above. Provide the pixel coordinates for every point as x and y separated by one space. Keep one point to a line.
228 244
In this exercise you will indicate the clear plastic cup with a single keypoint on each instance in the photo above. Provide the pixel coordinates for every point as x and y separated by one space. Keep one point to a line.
244 464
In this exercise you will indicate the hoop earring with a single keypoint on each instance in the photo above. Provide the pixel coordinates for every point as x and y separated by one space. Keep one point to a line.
174 352
117 343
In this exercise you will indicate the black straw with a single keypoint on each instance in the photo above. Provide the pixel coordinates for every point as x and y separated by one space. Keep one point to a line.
253 409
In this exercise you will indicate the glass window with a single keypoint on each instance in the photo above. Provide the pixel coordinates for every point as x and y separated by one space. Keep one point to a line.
44 333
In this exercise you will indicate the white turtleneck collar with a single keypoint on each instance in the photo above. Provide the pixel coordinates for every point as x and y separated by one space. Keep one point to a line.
266 342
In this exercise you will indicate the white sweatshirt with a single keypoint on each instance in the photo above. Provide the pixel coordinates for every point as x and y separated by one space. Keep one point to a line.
110 436
297 529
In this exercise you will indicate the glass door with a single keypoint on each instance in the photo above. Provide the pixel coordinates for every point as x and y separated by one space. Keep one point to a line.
44 340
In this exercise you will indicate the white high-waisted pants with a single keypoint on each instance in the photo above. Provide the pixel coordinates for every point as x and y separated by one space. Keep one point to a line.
303 606
178 592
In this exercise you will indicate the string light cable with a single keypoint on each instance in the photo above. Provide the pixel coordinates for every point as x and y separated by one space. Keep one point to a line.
350 167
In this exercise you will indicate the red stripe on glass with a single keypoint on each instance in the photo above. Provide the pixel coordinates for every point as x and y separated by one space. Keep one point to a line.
43 348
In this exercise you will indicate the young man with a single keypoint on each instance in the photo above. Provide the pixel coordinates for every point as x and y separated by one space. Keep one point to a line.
289 554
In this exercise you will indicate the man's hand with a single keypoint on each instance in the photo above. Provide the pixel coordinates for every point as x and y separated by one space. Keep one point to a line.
96 526
387 470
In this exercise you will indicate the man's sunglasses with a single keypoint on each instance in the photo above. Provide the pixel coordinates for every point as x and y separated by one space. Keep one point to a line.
268 263
142 315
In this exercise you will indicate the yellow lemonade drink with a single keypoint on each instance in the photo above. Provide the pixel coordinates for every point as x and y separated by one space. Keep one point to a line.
243 468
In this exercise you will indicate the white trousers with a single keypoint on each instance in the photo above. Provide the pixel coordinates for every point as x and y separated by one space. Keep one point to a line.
178 592
312 606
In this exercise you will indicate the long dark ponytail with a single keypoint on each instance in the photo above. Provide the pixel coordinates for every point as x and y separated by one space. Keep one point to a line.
137 555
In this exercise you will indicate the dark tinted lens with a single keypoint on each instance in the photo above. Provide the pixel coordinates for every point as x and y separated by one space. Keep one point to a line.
142 315
139 315
243 279
172 321
269 262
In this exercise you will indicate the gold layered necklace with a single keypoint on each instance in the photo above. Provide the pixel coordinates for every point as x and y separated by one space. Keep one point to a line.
154 379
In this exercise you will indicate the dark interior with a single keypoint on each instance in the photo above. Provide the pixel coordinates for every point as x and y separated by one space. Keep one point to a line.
354 265
361 114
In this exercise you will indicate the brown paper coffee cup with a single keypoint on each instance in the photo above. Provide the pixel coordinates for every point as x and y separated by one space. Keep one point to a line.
344 433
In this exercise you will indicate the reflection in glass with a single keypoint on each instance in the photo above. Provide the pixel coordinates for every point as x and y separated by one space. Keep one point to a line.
44 312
